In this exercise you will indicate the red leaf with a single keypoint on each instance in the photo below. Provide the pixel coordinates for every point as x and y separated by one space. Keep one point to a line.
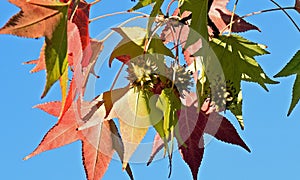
221 16
124 58
192 125
52 108
81 19
97 150
81 75
193 154
64 132
191 129
221 128
97 145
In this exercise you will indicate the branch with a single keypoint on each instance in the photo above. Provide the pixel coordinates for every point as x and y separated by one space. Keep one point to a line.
117 13
256 13
94 2
286 14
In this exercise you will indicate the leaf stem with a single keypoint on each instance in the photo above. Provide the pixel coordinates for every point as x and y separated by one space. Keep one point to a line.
231 19
169 6
255 13
284 11
117 13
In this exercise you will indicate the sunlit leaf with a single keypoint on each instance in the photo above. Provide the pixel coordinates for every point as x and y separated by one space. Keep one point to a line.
293 67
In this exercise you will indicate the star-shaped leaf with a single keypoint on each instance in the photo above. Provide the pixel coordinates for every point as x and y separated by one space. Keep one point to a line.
236 56
133 44
43 18
293 67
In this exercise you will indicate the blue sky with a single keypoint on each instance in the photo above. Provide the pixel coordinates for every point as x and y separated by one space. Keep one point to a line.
272 137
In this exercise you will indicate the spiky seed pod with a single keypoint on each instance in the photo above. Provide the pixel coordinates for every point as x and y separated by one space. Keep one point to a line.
223 94
142 73
179 78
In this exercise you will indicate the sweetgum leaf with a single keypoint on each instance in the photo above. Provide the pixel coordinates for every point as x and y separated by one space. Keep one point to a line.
64 132
192 126
155 9
56 48
158 144
134 120
191 129
236 56
97 150
199 19
43 18
81 19
221 128
81 74
169 104
97 143
221 17
141 4
36 18
293 67
118 145
133 42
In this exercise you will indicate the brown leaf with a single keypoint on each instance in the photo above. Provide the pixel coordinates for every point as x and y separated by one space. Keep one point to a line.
34 20
297 5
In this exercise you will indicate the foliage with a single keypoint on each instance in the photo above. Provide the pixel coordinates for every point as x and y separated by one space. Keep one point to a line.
160 87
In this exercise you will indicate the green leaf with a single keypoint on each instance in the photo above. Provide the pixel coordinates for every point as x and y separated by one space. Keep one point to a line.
155 10
169 104
236 56
144 3
133 43
236 108
199 19
293 67
56 51
141 4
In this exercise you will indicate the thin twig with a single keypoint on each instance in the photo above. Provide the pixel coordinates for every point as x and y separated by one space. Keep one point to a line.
74 9
147 42
295 24
255 13
117 13
169 6
173 32
94 2
231 19
117 77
